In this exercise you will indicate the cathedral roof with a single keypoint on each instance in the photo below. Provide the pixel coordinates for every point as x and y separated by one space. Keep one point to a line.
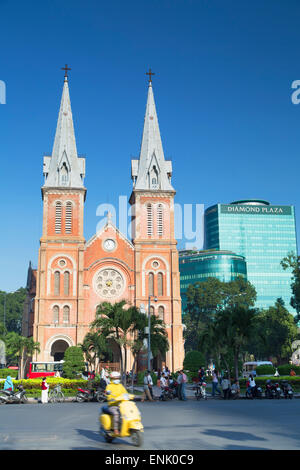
64 168
151 171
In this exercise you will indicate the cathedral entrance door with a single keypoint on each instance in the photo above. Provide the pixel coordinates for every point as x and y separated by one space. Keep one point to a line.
58 349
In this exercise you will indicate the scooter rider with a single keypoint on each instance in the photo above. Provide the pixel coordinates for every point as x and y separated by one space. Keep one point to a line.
114 390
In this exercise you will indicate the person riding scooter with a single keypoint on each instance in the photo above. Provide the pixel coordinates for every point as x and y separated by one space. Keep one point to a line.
114 390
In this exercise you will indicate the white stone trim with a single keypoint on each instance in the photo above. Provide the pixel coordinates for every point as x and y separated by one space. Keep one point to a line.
52 340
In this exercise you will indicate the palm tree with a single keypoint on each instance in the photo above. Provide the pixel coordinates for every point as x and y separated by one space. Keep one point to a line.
21 348
234 328
114 321
159 338
94 346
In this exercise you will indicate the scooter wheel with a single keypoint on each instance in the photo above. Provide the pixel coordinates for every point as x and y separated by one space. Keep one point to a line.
79 399
100 398
136 438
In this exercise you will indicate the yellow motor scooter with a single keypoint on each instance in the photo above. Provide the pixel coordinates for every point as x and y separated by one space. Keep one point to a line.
130 422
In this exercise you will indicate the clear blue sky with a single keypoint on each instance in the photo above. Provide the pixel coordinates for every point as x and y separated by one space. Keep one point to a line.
222 87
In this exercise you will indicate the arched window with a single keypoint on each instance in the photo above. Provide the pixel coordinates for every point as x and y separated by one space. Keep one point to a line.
56 283
69 217
160 285
66 314
151 310
151 284
55 312
64 174
161 313
149 220
160 220
58 209
66 283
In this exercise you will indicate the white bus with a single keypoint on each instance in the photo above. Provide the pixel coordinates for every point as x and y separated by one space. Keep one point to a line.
249 368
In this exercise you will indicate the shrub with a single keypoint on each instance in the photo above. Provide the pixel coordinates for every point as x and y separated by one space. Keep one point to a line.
285 369
74 362
35 384
5 372
193 361
265 370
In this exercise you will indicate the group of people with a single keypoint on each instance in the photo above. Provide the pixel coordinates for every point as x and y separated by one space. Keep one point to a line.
228 388
164 381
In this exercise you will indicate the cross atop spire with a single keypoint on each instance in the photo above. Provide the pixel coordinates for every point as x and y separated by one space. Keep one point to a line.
65 68
150 73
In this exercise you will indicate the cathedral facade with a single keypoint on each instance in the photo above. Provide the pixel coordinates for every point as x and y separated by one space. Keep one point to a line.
74 275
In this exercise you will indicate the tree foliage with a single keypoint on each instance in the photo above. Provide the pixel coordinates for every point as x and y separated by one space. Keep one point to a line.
205 300
19 350
74 362
292 262
273 333
11 306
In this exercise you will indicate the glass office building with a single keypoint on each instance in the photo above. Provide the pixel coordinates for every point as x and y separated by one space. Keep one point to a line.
198 266
264 234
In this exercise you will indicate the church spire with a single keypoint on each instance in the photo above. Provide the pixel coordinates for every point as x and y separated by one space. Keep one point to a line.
151 171
64 168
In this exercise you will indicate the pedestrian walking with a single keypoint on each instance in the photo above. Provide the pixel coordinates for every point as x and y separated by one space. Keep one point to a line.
150 384
215 383
45 389
146 393
179 385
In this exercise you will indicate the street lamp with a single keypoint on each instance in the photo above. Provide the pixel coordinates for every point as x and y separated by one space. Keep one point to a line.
149 327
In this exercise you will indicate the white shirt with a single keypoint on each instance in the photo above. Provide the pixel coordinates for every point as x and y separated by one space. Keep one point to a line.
252 382
163 382
150 381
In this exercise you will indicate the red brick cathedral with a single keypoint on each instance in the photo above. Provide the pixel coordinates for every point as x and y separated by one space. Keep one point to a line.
75 275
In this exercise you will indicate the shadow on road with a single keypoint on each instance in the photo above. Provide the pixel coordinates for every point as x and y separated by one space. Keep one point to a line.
96 436
232 435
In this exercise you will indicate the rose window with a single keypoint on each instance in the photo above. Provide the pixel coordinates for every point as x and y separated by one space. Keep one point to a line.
109 283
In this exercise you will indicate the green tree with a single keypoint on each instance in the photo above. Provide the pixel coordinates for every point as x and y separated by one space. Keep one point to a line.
158 337
205 301
11 308
94 347
194 360
292 263
117 323
74 362
19 349
233 329
274 332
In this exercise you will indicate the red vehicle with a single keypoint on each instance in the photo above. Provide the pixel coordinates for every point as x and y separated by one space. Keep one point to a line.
44 369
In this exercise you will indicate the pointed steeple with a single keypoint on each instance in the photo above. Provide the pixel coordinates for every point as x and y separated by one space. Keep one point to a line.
151 171
64 168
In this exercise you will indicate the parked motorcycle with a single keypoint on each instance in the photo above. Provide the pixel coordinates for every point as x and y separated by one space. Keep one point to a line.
270 390
201 391
277 390
90 395
166 394
17 396
174 389
287 389
254 392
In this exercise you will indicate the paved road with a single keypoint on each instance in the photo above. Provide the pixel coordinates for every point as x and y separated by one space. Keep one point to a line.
211 424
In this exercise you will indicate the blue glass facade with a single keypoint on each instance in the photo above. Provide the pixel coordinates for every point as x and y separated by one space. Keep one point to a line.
199 266
264 234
